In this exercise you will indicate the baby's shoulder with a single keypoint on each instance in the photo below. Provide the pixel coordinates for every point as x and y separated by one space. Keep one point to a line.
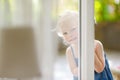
68 50
97 43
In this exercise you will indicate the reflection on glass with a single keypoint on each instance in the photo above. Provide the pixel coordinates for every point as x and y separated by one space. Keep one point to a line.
24 23
67 28
64 72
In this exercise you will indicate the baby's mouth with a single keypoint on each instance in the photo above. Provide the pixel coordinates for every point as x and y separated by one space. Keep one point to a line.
73 39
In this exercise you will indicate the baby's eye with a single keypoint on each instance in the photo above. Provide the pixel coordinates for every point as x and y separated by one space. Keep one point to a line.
65 33
73 29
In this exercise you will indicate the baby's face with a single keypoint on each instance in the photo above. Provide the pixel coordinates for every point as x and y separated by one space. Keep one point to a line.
70 33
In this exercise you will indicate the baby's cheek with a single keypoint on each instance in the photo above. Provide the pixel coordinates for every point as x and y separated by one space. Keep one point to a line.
76 33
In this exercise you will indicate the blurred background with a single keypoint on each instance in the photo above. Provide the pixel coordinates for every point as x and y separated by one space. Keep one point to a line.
36 19
40 17
107 30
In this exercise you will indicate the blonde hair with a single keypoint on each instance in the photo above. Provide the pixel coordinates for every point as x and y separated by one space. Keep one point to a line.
67 17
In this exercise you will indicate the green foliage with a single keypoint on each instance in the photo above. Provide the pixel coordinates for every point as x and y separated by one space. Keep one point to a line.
106 10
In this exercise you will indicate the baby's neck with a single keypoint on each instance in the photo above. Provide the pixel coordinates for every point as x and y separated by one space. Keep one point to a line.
75 46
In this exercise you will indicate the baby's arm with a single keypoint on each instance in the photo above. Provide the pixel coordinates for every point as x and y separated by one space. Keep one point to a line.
99 60
73 67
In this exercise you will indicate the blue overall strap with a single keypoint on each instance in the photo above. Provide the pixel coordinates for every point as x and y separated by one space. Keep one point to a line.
75 59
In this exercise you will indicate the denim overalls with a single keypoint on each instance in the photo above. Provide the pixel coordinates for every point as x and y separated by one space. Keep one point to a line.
76 61
105 74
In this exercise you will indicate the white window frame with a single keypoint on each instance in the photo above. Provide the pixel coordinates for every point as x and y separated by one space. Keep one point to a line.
87 39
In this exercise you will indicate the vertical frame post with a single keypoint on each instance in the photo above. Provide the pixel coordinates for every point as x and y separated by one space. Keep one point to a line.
87 39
